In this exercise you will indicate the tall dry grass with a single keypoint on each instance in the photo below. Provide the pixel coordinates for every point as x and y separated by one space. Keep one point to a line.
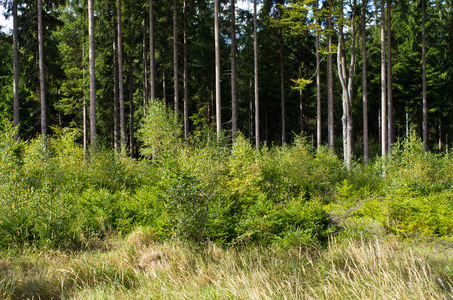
137 268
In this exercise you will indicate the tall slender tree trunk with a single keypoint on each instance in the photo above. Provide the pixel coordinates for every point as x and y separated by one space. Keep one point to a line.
84 117
383 85
390 121
145 76
425 100
92 76
186 78
152 59
175 59
346 76
217 68
131 108
116 129
364 85
282 87
234 104
330 119
120 77
16 72
251 113
318 87
41 74
255 55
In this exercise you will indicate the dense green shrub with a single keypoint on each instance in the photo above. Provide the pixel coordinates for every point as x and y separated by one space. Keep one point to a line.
199 191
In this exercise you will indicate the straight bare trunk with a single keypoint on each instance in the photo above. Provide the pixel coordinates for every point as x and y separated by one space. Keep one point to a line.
186 79
255 55
383 85
131 108
318 88
116 129
120 77
346 76
152 67
364 86
330 119
41 74
390 120
425 99
145 76
234 105
217 69
282 88
16 72
175 59
92 76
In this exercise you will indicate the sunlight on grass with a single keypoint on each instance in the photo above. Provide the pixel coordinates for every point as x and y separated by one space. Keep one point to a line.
137 268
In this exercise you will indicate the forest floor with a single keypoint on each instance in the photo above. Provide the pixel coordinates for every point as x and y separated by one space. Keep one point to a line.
379 267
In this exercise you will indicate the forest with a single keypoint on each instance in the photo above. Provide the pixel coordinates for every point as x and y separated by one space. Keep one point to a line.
226 149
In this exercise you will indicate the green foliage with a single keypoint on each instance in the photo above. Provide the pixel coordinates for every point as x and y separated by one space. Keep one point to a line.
60 197
159 132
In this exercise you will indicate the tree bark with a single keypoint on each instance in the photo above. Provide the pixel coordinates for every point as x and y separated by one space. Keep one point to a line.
92 76
390 120
175 59
255 55
16 72
120 78
383 85
282 88
186 79
425 100
330 119
145 76
116 131
41 74
131 109
318 88
84 117
364 86
152 67
217 69
346 77
234 105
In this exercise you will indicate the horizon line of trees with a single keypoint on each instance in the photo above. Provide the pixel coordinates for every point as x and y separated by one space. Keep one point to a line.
237 70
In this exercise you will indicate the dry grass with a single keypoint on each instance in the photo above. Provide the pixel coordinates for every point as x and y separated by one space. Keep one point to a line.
137 268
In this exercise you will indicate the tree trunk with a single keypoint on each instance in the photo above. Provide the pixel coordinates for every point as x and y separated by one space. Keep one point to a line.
251 113
330 119
425 100
120 78
16 72
255 55
92 76
301 105
364 86
346 80
175 59
318 88
217 68
41 74
234 105
152 67
116 131
383 85
85 130
282 87
390 120
131 108
145 76
186 79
